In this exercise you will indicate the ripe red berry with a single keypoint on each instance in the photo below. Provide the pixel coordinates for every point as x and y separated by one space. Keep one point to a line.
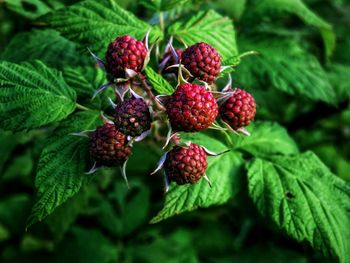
108 146
186 165
239 109
132 117
169 60
124 53
202 61
191 108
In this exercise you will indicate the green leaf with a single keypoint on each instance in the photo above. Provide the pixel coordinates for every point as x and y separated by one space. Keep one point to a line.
265 253
29 8
94 24
276 105
298 8
86 246
158 82
106 215
121 210
62 165
213 140
338 77
232 61
166 247
32 95
267 138
20 167
46 45
223 172
4 233
140 150
162 5
13 211
235 8
209 27
303 198
65 215
133 204
8 142
283 64
333 158
85 81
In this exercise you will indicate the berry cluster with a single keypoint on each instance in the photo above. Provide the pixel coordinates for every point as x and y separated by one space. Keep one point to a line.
192 107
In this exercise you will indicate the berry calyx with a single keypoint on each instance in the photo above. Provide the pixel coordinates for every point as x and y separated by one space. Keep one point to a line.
186 165
202 61
239 109
125 53
132 116
169 59
108 146
191 108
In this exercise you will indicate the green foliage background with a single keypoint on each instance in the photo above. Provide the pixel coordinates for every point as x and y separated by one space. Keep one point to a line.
280 195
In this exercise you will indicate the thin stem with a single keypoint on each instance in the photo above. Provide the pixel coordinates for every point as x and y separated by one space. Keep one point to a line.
81 107
161 21
149 92
248 53
228 138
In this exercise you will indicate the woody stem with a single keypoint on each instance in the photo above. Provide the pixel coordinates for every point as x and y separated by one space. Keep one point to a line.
149 92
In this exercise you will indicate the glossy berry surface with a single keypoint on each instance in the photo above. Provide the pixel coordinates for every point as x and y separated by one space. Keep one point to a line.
186 165
124 53
202 61
132 117
108 146
239 109
191 108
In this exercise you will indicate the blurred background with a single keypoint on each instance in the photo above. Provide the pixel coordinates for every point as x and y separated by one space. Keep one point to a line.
106 223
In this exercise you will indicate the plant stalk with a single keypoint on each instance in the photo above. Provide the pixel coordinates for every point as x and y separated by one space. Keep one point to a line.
149 92
228 138
161 21
81 107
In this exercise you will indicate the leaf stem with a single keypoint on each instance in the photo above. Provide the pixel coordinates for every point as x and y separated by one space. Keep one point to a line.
161 21
81 107
248 53
228 138
149 92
